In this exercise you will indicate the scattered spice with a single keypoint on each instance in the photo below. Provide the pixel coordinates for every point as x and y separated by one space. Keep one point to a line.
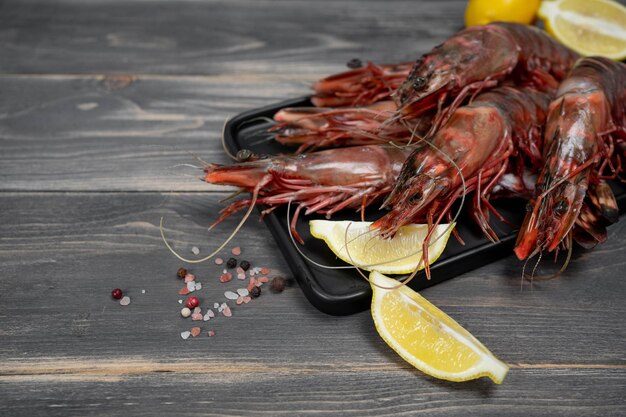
225 277
245 265
230 295
183 291
181 273
185 312
211 333
125 301
192 302
278 284
231 263
236 251
117 293
219 261
255 292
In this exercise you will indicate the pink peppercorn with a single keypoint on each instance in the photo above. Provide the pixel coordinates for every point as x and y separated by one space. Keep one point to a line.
192 302
117 293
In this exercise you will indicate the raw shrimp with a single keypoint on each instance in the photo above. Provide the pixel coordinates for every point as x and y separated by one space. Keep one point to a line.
360 86
584 145
320 182
470 152
477 58
311 128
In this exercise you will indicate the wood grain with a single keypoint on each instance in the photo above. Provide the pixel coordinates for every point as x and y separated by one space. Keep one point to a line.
100 100
114 133
217 37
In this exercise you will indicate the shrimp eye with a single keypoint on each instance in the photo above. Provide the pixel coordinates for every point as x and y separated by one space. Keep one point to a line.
419 82
560 208
244 155
415 198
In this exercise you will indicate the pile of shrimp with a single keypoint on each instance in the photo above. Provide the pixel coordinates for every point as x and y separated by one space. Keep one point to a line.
499 110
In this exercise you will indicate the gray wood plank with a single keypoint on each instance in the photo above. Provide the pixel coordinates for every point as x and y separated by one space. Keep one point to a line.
217 37
247 389
62 254
89 133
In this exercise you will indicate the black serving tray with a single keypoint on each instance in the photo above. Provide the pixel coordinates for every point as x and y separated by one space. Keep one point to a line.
344 291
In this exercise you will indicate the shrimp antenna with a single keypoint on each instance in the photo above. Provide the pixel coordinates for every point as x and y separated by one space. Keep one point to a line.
255 194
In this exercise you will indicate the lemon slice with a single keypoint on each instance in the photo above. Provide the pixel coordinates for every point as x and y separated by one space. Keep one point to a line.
427 338
589 27
481 12
356 244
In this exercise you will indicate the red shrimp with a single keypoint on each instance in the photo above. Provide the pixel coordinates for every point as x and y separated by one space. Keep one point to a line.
360 86
584 145
311 128
477 142
319 182
480 57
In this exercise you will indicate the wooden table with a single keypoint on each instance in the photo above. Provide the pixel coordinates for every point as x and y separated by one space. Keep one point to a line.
99 103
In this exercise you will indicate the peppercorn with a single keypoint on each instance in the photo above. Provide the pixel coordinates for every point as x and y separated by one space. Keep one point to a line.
192 302
245 265
255 292
278 284
181 273
116 293
231 263
354 63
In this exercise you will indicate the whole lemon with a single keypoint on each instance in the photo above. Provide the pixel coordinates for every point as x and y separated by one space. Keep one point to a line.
481 12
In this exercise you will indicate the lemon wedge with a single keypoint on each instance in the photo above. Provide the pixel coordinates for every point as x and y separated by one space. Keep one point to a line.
356 244
589 27
427 338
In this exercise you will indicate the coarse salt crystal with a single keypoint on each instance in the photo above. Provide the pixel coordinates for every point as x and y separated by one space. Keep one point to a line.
241 276
191 286
226 312
265 271
211 333
183 291
195 331
230 295
240 270
185 335
198 286
258 284
216 305
236 251
143 291
263 279
251 284
219 261
195 250
206 317
247 299
196 317
189 278
180 301
125 301
197 310
226 277
210 313
239 300
243 292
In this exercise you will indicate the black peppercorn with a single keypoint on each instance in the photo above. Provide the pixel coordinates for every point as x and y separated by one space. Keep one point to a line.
255 292
231 263
278 284
245 265
181 273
